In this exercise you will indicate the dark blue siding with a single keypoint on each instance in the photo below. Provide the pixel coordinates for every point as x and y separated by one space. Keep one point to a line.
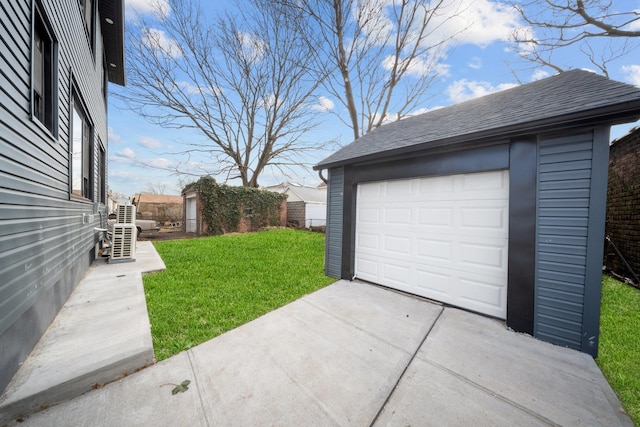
564 188
333 245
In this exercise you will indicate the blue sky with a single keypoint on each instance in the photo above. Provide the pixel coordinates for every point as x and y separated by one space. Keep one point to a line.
481 62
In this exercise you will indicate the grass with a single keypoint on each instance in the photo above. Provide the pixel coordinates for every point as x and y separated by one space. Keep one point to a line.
619 350
215 284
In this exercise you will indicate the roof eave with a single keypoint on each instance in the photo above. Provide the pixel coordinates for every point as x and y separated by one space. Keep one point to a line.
610 115
112 24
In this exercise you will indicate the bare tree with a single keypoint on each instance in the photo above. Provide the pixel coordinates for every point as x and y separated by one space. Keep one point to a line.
157 189
119 198
598 28
241 82
381 56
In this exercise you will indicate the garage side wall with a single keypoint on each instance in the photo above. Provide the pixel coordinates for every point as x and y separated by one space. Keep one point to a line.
335 200
568 230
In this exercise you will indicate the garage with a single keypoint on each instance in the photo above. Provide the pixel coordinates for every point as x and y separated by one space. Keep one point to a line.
444 238
495 205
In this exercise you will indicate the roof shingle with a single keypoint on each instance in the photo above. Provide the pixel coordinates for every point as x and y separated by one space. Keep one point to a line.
567 98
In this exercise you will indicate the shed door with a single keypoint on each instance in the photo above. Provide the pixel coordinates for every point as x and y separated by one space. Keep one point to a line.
444 238
191 215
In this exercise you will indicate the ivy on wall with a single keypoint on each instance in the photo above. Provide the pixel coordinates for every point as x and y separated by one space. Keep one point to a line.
223 206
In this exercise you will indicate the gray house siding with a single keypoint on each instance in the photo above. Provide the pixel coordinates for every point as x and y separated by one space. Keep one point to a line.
47 237
333 246
570 233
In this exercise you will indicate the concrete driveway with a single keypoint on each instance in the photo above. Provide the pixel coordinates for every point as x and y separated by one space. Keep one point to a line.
356 354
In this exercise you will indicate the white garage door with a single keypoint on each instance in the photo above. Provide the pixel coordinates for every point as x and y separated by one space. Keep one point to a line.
444 238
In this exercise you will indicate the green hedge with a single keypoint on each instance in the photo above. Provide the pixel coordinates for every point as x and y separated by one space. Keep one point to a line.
223 206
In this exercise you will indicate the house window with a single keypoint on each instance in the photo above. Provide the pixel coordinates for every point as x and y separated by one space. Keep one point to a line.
81 165
87 10
43 73
102 175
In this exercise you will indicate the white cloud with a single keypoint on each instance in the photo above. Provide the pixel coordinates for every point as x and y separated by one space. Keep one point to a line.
125 155
539 74
252 46
112 136
159 163
157 39
424 110
160 8
372 19
475 63
635 25
463 90
632 74
324 105
420 68
149 142
478 22
123 174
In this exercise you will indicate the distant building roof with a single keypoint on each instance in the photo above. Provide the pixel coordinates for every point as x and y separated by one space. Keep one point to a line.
156 199
570 99
310 194
300 192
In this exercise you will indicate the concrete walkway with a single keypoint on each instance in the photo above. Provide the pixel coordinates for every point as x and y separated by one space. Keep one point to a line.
101 334
356 354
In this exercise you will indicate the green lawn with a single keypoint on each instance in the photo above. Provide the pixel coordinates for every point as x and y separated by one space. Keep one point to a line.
619 351
214 284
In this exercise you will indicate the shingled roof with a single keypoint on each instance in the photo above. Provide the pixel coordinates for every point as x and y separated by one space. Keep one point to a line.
569 99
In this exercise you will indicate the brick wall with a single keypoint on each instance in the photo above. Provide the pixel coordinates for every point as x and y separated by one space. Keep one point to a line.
623 204
246 224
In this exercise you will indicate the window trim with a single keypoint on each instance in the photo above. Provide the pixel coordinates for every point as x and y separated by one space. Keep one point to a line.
101 173
76 100
39 17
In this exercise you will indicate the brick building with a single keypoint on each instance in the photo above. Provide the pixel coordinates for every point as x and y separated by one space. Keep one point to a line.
623 205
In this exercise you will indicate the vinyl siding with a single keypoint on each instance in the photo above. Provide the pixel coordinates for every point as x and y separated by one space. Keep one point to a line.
46 237
564 188
335 200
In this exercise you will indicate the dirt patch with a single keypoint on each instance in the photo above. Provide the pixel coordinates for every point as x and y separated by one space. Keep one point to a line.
166 234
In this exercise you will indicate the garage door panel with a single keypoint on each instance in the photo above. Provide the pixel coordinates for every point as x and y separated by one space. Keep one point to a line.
396 245
397 216
398 273
368 241
445 238
371 191
485 257
472 183
492 218
368 215
433 285
483 297
428 216
435 250
368 268
436 185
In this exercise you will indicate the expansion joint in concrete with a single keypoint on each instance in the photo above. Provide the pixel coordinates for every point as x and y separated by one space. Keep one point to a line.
395 386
